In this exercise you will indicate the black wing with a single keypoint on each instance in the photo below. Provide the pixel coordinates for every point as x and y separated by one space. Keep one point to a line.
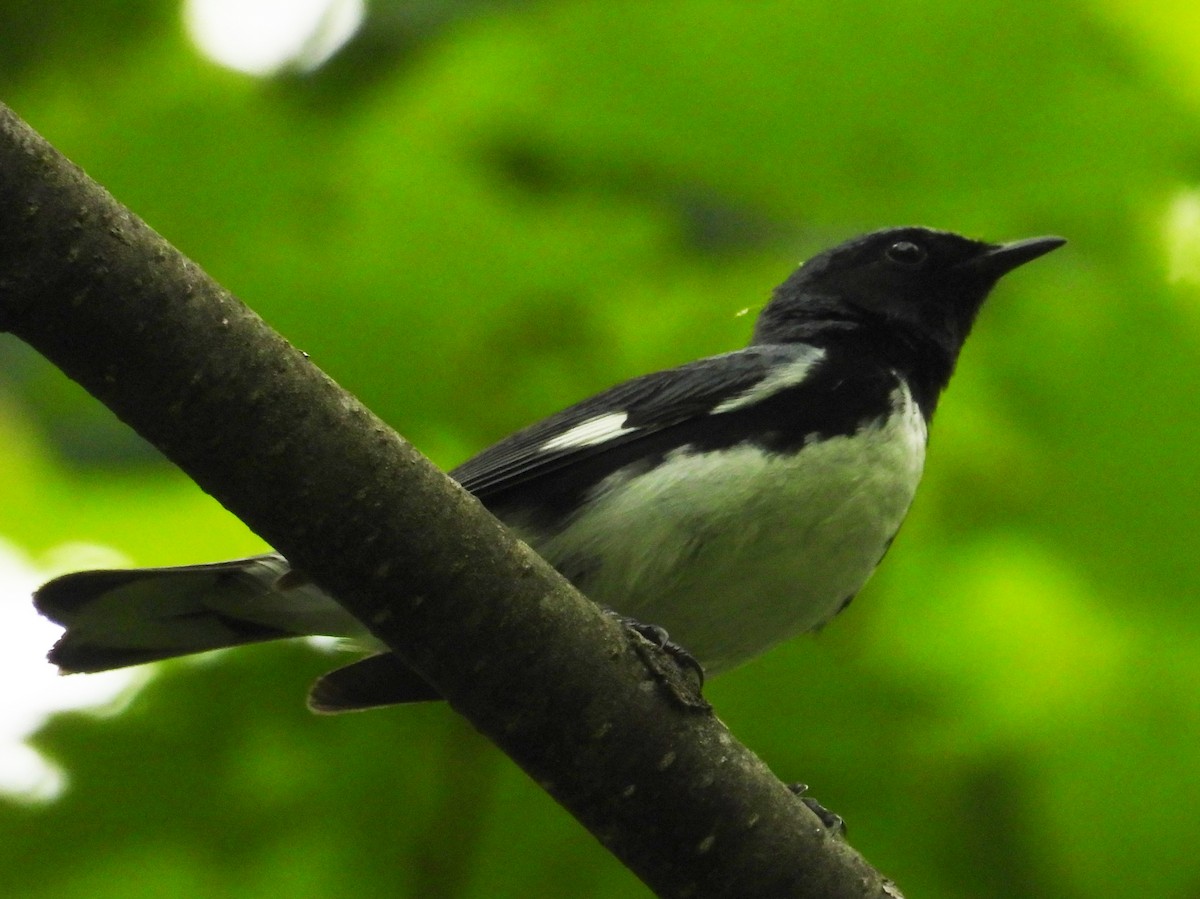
637 418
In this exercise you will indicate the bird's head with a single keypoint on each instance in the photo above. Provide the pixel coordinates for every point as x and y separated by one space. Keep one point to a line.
915 283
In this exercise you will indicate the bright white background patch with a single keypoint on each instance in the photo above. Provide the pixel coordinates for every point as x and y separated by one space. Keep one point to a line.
34 690
591 432
261 37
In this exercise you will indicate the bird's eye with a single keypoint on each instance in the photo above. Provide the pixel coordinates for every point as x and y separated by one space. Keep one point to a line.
906 253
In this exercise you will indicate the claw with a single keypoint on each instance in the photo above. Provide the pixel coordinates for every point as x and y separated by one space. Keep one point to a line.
832 821
687 693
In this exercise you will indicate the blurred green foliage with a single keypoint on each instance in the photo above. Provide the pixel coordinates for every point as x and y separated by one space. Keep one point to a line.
477 214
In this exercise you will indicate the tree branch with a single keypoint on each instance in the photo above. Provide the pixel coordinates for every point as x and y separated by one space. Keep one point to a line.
512 646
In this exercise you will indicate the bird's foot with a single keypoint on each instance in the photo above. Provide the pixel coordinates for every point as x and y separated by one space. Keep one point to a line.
832 821
684 678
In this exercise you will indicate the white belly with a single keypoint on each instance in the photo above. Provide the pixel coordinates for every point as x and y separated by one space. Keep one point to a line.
732 553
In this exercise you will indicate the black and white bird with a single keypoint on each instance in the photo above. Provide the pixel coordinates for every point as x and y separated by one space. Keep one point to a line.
735 501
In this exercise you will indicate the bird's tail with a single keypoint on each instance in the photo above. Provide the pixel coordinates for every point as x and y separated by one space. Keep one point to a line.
120 618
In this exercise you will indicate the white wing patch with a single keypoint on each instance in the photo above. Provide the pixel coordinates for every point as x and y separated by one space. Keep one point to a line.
778 379
594 431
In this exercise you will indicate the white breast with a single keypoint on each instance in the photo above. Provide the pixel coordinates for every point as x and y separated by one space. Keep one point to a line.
735 551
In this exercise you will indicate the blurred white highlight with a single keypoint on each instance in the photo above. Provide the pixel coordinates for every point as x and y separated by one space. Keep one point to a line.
1182 235
263 37
33 688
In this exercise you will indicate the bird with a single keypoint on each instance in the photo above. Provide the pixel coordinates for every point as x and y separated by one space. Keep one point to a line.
731 503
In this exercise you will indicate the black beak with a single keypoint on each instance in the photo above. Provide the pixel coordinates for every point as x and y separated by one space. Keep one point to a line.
999 260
